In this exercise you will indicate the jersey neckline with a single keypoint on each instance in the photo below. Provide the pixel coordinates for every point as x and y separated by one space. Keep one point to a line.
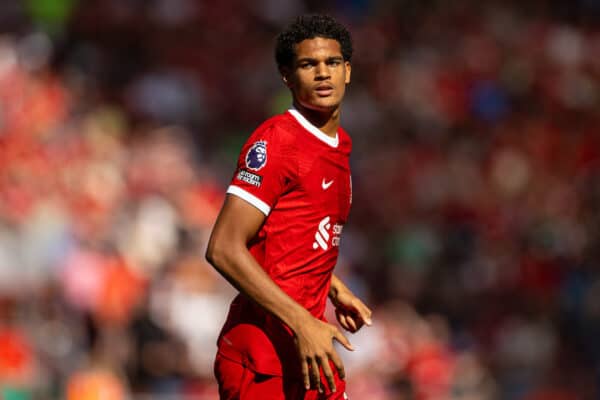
333 142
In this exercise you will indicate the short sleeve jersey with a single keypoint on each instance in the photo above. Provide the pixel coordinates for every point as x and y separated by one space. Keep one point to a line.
299 177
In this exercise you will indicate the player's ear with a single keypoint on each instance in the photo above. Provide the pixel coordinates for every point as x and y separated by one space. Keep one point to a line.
348 67
285 75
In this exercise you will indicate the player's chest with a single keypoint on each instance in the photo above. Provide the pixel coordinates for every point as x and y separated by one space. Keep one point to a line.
325 182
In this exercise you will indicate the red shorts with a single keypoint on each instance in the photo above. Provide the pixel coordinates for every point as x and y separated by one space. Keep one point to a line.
237 382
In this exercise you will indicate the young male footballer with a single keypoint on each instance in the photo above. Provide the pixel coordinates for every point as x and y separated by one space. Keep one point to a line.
277 236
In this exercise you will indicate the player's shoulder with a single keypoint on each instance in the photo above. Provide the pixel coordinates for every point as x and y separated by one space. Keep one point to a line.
280 128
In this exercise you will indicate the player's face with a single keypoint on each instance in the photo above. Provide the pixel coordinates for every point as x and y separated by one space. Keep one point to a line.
319 74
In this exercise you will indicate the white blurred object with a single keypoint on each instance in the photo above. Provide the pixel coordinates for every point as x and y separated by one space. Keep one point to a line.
527 343
167 95
195 313
35 50
150 237
369 343
277 11
197 318
10 273
565 47
44 241
8 55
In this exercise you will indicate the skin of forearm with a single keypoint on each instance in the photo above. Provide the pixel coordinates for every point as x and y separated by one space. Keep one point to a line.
240 268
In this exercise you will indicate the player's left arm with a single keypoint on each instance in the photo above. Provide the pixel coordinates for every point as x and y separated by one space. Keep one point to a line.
350 311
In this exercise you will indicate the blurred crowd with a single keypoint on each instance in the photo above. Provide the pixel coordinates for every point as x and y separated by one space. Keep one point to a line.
475 228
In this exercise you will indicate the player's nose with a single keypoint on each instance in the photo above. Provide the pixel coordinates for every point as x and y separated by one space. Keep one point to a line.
321 71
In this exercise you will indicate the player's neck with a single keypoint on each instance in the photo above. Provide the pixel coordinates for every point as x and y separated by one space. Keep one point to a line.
327 122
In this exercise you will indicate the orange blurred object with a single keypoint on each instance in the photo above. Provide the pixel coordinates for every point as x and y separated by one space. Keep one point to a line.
95 385
122 291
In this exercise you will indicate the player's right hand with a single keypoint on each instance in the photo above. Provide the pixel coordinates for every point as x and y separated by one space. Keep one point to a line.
315 347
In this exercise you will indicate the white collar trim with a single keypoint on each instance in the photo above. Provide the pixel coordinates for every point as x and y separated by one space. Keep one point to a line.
333 142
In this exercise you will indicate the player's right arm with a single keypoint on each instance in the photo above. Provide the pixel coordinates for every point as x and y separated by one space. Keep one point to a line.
238 222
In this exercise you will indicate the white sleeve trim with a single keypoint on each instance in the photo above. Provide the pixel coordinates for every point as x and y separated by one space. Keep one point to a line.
250 198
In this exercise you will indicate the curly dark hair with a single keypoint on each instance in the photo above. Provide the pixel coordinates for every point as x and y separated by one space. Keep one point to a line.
309 27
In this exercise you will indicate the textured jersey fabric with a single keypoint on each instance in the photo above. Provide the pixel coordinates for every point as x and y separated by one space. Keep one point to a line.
300 179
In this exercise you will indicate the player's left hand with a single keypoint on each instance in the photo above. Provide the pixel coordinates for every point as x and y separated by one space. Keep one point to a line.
350 311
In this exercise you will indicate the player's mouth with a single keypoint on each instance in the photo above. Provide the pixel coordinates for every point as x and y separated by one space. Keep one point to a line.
324 90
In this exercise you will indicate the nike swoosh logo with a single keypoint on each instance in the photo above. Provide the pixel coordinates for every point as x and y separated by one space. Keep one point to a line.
325 185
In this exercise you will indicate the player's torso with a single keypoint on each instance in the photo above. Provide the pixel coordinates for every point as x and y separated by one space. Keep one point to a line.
317 208
303 231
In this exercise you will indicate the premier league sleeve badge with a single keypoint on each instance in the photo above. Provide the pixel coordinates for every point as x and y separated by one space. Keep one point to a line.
256 158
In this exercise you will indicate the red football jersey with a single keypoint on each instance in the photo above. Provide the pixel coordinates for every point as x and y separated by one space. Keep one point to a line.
299 177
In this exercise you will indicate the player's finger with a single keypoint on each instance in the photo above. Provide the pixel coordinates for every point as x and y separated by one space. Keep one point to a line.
352 324
337 361
315 375
328 373
339 336
305 374
364 312
348 322
342 319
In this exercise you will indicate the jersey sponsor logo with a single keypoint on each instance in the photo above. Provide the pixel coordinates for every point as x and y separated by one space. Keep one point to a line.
249 177
256 157
325 185
323 234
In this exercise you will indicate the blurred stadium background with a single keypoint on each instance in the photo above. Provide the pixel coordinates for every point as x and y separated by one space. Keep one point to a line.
475 230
